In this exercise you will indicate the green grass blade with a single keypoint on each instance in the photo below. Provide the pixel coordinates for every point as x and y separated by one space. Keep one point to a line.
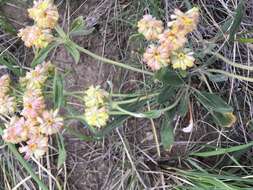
220 151
237 20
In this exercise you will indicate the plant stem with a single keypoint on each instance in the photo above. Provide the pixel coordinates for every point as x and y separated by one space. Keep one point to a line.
230 75
241 66
105 60
137 99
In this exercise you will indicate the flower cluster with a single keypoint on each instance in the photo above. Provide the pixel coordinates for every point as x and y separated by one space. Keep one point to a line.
45 15
7 103
96 112
35 122
150 27
169 47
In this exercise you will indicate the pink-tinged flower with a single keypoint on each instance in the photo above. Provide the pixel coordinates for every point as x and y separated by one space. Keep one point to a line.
185 22
33 128
156 57
172 39
16 130
4 84
33 104
7 105
37 146
50 122
150 27
35 36
44 13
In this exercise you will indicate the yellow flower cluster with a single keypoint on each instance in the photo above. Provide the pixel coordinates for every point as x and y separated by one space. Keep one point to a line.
7 103
35 36
45 15
170 41
96 112
36 123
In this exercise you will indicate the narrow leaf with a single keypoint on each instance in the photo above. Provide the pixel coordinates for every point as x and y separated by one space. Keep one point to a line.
58 91
6 26
72 50
213 102
237 20
62 152
167 136
220 151
43 53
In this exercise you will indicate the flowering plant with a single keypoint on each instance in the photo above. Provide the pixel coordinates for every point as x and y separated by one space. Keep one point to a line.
35 109
168 56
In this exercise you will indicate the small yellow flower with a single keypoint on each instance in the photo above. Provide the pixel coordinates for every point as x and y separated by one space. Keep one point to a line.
44 13
95 97
185 22
7 105
182 60
4 84
150 27
36 78
35 36
156 57
96 117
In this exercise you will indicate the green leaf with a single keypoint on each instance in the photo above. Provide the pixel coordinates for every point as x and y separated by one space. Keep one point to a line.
220 151
62 152
78 27
245 40
237 20
72 50
169 77
82 32
213 102
217 77
61 33
77 24
183 106
166 94
43 53
224 119
10 63
6 26
167 136
58 91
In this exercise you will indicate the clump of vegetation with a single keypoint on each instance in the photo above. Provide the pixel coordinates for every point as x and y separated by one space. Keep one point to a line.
35 107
